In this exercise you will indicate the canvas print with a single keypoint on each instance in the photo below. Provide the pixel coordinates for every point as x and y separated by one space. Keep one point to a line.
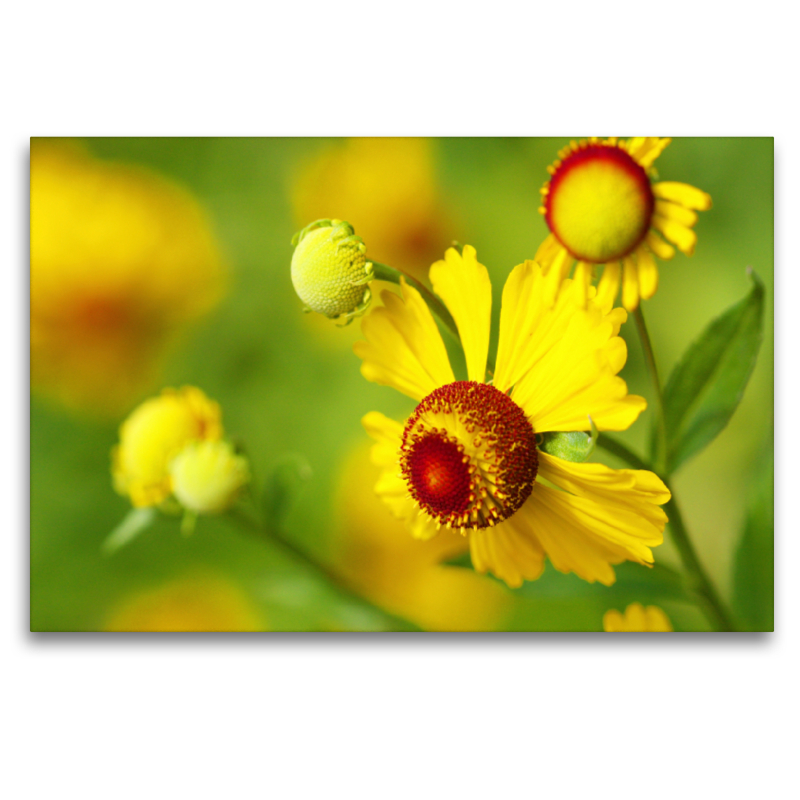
401 384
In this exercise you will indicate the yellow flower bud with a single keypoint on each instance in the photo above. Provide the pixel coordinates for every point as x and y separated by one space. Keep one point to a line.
330 271
637 619
207 476
153 435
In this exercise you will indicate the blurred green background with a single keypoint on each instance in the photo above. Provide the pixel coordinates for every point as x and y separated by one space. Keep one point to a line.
288 383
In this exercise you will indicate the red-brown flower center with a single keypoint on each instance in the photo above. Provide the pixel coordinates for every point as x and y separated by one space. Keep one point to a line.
469 455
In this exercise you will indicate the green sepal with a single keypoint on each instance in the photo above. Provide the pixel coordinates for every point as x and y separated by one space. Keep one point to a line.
136 521
708 382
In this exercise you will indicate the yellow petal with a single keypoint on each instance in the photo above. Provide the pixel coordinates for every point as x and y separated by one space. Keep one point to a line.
648 273
612 621
547 251
403 347
676 213
465 287
630 285
683 238
682 193
509 551
565 537
559 269
388 436
567 364
650 150
582 280
633 497
656 620
659 246
609 286
528 324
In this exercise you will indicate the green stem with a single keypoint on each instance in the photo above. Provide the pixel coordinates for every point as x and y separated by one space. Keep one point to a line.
715 608
271 536
661 421
386 273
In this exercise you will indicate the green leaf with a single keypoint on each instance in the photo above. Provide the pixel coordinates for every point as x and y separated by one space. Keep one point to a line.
136 521
707 384
754 563
283 485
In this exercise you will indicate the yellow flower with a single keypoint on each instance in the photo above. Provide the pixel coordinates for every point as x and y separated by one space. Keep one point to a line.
467 457
637 619
602 208
154 434
207 476
330 271
122 261
193 603
373 551
387 189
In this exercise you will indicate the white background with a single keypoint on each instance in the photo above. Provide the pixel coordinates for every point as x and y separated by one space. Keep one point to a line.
548 716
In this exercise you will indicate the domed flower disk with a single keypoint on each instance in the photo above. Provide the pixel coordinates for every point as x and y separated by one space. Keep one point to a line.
603 209
467 456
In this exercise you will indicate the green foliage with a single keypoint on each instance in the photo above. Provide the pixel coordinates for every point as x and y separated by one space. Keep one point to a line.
707 384
754 570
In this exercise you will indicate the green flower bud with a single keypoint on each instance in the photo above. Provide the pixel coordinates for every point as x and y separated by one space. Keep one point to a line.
330 271
569 446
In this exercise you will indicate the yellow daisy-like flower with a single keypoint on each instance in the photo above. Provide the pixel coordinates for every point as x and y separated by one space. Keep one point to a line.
603 209
637 619
122 263
153 435
467 457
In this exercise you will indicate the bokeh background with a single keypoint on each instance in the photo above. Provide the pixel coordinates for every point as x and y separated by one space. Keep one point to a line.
188 241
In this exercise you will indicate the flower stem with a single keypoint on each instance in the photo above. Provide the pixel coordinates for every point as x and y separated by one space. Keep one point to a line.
272 536
715 608
661 422
386 273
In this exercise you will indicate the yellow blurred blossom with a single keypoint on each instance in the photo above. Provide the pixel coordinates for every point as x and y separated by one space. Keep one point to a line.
207 476
122 261
193 603
387 189
637 619
154 434
406 577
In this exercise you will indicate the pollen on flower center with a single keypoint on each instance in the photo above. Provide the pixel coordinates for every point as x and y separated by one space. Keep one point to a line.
469 455
599 203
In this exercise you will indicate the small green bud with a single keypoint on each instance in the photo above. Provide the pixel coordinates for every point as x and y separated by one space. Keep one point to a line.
330 271
569 446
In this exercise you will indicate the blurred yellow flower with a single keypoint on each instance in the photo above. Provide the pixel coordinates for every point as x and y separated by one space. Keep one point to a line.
154 434
194 603
602 208
637 619
387 189
467 457
207 476
122 261
374 552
